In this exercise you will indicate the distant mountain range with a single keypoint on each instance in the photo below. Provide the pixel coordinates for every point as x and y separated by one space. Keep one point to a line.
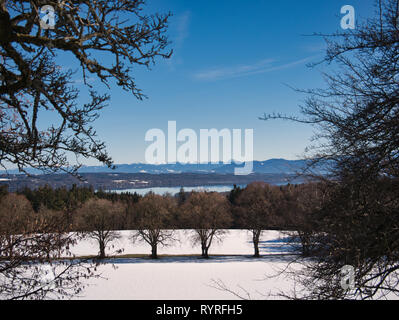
272 166
128 176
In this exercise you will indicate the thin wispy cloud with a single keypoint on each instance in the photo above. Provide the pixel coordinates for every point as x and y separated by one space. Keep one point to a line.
180 34
182 28
263 66
315 47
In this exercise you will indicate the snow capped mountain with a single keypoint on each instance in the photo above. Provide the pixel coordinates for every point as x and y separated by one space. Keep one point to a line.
275 166
280 166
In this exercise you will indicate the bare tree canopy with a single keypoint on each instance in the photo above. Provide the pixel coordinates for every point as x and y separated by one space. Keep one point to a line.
106 38
34 253
208 213
257 206
357 115
98 219
152 216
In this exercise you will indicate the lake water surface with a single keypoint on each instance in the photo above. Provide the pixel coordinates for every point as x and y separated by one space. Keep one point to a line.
174 190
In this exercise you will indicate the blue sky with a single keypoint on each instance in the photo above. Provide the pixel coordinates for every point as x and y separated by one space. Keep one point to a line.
232 62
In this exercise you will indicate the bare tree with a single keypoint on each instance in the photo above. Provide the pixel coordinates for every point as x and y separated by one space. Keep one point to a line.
208 213
52 238
151 218
257 206
16 212
30 245
357 117
98 219
105 38
300 204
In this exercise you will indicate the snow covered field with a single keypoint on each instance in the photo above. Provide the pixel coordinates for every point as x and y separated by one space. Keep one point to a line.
183 279
188 277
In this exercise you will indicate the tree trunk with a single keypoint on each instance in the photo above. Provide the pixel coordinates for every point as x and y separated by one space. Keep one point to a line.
10 247
305 241
102 250
256 254
205 252
154 254
255 239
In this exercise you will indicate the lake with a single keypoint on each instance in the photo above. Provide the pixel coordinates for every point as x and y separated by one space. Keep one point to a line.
174 190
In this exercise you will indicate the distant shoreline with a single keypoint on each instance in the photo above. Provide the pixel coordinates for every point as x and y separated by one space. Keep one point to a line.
128 181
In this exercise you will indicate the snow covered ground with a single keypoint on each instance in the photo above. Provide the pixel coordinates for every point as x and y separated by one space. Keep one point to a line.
188 277
182 279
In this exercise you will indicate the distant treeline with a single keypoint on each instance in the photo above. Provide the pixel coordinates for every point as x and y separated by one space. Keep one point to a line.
276 207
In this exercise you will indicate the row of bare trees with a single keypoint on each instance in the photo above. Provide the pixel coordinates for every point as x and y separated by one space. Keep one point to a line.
154 218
